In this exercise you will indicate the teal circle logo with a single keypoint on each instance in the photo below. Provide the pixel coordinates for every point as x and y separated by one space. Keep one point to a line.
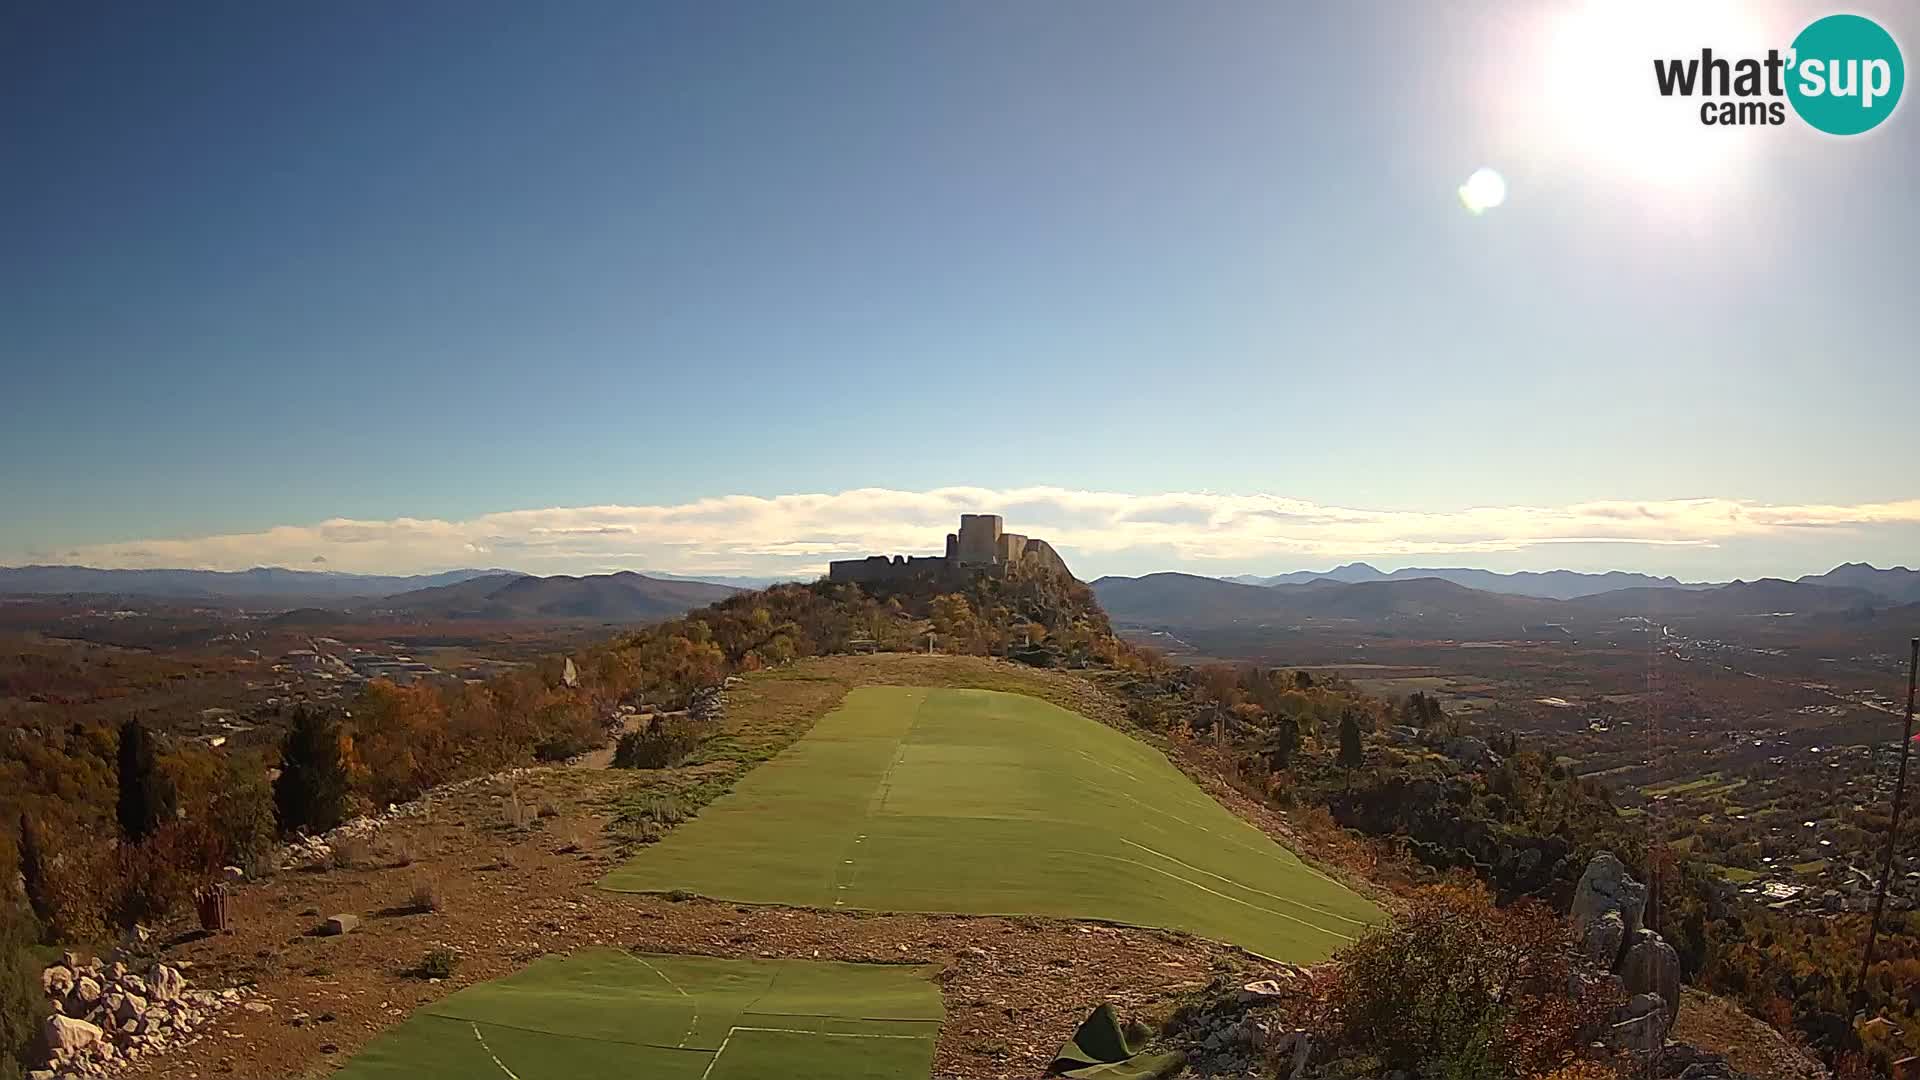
1847 74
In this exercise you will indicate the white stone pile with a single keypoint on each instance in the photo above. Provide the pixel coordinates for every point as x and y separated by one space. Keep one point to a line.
105 1016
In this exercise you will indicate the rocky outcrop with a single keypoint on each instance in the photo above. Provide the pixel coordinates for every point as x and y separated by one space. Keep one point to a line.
1608 917
104 1016
1652 967
1608 908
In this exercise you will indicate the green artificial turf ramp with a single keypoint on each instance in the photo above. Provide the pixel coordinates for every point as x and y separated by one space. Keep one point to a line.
979 802
602 1014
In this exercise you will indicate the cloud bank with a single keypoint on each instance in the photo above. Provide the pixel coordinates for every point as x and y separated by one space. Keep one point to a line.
1096 530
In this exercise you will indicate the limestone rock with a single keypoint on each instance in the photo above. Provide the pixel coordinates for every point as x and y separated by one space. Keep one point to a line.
1606 887
1651 966
1639 1034
1600 940
64 1033
339 924
57 980
167 983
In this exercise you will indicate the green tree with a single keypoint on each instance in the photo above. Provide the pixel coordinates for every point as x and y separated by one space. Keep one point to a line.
146 797
1351 750
311 792
243 813
1280 744
22 1003
33 869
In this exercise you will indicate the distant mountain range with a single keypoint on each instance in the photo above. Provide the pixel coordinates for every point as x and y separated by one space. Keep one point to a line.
1898 585
1550 585
258 584
1187 600
621 597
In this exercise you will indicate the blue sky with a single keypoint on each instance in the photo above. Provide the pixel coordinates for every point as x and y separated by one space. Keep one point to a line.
269 267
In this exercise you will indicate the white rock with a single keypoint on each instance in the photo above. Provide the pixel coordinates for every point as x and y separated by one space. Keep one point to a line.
64 1033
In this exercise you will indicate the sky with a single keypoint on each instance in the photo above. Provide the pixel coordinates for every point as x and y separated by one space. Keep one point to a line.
740 288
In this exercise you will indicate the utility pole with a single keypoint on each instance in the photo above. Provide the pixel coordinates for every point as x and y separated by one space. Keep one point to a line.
1893 829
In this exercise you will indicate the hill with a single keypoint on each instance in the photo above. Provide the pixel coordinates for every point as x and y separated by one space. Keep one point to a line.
622 597
1187 600
261 583
1768 596
1898 584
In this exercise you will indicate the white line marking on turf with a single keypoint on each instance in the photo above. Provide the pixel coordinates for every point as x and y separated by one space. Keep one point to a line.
790 1031
1215 892
490 1053
1249 888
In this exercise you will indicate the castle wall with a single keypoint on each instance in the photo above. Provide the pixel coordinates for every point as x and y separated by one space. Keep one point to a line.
980 544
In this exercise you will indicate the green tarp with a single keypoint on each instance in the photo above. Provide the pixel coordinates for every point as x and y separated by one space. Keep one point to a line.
1104 1049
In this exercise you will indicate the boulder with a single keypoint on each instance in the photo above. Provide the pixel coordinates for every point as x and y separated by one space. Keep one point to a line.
1638 1034
1601 938
339 924
57 980
86 993
1606 887
167 983
1651 966
65 1034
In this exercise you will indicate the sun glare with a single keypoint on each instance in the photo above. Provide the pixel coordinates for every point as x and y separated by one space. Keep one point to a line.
1483 191
1598 107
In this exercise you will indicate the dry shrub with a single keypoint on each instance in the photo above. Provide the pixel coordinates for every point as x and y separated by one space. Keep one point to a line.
1464 989
351 853
549 808
664 744
516 814
425 896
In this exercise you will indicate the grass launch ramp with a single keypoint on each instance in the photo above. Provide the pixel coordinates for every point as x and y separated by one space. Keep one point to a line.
980 802
601 1014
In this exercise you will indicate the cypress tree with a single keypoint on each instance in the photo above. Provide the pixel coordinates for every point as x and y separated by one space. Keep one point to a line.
311 792
1351 752
146 799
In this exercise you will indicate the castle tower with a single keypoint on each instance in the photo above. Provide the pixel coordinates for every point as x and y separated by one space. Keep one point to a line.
979 539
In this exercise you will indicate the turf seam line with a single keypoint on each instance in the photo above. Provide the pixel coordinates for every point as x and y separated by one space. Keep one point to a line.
1214 892
561 1035
1249 888
828 1034
691 1024
496 1058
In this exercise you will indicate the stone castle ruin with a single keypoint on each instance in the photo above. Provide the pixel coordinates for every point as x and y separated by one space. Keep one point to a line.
981 545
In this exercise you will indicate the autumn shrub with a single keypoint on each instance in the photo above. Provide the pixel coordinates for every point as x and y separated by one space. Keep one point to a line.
664 744
1463 989
22 1004
242 815
156 878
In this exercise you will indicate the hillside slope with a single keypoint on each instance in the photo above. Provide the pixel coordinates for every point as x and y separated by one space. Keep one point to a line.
622 597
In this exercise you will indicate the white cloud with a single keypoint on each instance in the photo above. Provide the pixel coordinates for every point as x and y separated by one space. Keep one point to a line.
797 534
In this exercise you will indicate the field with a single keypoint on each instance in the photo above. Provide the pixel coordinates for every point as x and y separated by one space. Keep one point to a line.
601 1012
980 802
